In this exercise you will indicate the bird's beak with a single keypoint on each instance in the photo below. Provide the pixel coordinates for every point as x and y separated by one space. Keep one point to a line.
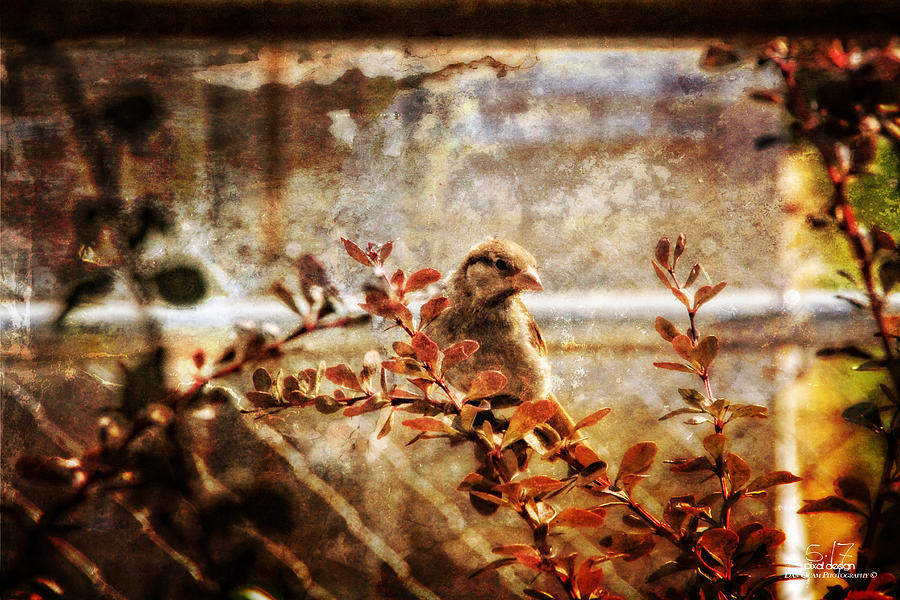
527 280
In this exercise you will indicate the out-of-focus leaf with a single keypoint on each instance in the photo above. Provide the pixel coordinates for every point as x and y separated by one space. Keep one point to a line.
720 56
422 278
865 414
427 350
668 568
872 365
500 562
852 351
181 285
772 479
707 293
769 96
857 304
49 470
666 329
830 504
92 287
144 383
356 253
853 488
283 294
889 275
526 417
882 240
764 142
720 543
592 419
630 546
538 594
431 309
579 517
262 381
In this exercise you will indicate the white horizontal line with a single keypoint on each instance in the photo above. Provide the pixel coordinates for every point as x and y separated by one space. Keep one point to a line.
592 305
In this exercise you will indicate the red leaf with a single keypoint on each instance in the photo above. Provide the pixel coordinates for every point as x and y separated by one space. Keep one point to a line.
427 350
706 351
541 483
431 309
829 504
666 329
385 251
458 352
356 253
343 376
720 543
637 460
486 383
662 251
422 278
527 416
398 279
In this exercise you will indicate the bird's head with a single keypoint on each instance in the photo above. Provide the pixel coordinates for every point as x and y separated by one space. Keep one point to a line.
496 270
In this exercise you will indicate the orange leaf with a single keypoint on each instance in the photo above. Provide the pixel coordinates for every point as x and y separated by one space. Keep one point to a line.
429 424
343 376
666 329
592 419
638 459
527 416
579 517
458 352
486 383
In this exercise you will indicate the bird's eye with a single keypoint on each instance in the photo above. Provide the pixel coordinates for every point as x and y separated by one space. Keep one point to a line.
501 265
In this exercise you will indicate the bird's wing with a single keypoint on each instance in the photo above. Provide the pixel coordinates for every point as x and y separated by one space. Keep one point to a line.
535 334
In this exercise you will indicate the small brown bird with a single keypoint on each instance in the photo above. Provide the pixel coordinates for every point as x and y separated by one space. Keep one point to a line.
485 306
